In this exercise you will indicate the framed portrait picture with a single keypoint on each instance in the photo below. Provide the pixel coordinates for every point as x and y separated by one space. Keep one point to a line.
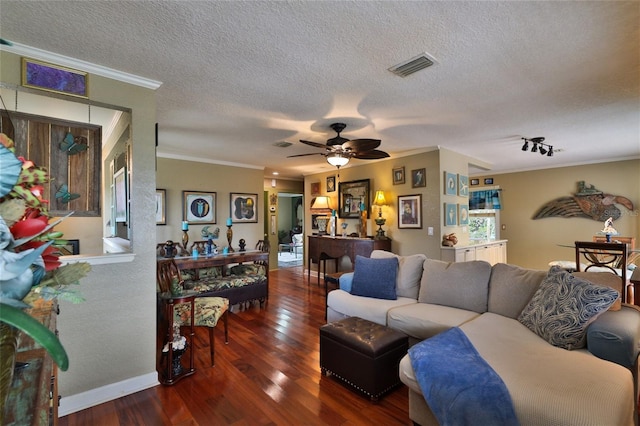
199 207
450 183
450 214
418 178
463 186
463 214
398 175
410 211
244 208
353 197
475 182
120 194
54 78
315 189
161 206
331 184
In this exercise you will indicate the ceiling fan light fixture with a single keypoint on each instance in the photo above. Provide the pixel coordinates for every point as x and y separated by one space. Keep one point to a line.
337 159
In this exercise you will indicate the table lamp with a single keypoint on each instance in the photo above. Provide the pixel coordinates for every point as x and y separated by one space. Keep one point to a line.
379 201
320 205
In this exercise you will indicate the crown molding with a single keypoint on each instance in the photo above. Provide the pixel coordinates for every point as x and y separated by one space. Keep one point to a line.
54 58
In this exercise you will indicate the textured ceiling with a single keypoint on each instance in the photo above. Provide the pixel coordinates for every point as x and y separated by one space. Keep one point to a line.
238 77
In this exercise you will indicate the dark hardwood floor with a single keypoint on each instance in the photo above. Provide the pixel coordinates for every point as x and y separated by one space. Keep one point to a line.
268 374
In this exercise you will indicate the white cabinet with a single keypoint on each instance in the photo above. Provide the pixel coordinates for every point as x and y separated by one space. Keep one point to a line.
492 252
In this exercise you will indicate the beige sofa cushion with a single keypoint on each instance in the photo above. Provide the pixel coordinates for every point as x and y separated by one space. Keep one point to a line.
548 385
463 285
409 272
369 308
511 287
424 320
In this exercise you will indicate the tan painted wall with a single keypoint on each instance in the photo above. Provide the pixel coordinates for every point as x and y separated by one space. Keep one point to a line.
111 336
534 243
178 175
404 241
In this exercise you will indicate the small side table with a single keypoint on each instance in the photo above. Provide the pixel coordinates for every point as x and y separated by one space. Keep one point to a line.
165 367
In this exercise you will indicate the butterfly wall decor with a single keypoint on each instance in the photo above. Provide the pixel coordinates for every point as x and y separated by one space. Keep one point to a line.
73 145
64 195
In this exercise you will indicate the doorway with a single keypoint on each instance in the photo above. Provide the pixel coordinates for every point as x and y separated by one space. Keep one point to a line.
290 230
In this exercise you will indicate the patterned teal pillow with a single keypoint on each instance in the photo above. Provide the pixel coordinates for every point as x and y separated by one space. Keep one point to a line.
563 307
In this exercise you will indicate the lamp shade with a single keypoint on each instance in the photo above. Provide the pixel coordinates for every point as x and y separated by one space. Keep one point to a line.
379 199
337 159
320 205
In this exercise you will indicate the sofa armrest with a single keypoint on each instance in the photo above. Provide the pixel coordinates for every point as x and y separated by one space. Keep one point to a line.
345 281
615 336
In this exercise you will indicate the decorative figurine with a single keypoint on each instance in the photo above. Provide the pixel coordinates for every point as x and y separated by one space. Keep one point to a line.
242 243
449 240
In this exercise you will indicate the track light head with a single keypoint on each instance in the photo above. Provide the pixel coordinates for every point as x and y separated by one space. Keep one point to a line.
538 146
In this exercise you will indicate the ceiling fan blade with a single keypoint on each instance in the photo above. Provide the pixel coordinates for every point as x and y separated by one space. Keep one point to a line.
314 144
374 154
304 155
360 145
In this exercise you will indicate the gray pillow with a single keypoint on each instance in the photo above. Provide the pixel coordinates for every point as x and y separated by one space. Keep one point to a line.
463 285
511 287
563 307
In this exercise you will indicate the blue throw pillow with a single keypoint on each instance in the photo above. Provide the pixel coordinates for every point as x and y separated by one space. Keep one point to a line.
375 278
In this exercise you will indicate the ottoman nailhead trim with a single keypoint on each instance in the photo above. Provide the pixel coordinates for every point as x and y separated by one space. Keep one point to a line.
359 388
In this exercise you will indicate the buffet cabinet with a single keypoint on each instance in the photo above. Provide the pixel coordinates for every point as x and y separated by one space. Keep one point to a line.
492 252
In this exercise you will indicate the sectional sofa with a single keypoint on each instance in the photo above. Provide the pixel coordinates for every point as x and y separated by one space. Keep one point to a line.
565 348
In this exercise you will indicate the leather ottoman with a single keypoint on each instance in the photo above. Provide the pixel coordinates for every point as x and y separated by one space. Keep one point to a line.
363 354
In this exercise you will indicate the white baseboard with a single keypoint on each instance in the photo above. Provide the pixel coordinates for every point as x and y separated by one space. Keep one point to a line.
84 400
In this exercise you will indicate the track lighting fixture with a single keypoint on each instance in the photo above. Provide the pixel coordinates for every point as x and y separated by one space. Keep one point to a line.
538 146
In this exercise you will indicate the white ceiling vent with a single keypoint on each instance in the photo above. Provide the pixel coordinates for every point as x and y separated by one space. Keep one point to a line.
283 144
416 64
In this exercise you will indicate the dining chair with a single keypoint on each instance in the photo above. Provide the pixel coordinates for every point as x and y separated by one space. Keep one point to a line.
207 310
610 257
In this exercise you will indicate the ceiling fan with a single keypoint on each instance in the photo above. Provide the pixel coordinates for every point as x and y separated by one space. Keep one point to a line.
340 150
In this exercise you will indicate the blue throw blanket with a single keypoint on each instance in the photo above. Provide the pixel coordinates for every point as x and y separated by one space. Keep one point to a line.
458 384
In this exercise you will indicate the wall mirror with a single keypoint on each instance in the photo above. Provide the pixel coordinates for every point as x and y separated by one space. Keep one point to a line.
98 179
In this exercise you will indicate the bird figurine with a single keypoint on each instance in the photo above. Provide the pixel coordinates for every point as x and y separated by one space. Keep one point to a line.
206 234
449 240
587 202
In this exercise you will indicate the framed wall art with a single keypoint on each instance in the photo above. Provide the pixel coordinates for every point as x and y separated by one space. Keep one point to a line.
450 214
450 183
398 175
199 207
331 184
71 248
418 178
410 211
54 78
475 182
488 181
314 220
463 186
353 197
244 208
315 189
463 214
161 206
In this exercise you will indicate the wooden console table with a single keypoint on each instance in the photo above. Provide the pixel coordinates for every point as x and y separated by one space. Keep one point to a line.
322 248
